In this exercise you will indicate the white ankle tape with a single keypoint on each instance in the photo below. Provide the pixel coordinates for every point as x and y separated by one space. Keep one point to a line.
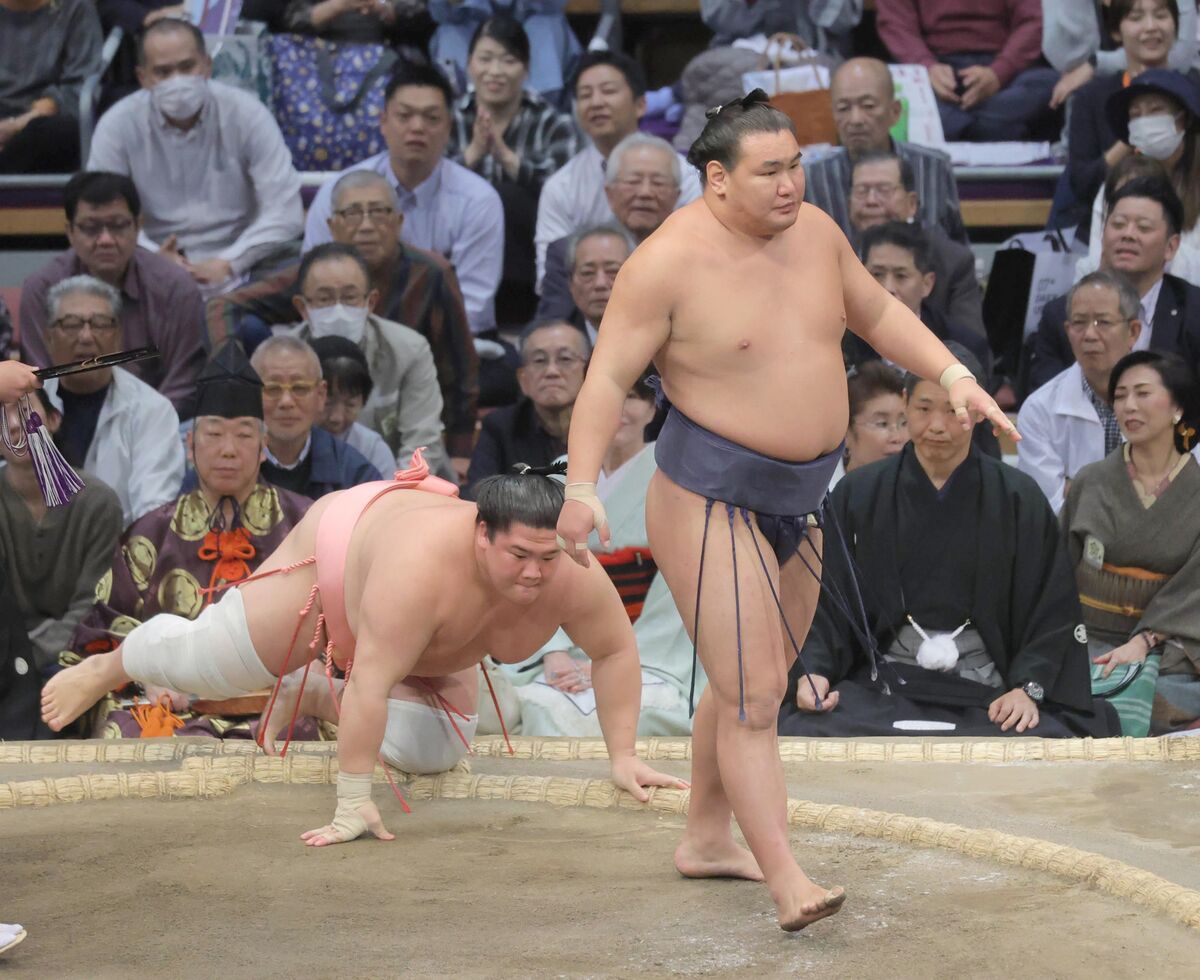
210 656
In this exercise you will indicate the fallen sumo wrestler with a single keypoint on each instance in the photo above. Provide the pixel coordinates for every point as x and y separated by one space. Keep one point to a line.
741 300
487 581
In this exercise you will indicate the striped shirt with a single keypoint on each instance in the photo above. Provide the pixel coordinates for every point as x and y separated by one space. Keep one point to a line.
827 185
539 134
423 294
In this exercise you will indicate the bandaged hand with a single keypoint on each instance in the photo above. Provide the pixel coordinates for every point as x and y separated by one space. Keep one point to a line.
582 511
972 404
356 813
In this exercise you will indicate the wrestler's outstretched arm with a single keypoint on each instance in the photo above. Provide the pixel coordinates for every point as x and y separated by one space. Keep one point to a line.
636 324
895 332
599 625
395 627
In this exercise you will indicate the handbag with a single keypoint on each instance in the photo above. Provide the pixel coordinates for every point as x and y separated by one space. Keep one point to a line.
327 97
801 91
1130 690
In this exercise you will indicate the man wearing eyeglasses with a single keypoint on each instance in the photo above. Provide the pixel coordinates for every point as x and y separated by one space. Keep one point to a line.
300 455
160 304
554 357
1069 422
113 425
405 405
641 181
416 288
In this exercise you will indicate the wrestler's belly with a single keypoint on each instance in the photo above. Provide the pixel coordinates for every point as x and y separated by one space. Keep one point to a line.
796 410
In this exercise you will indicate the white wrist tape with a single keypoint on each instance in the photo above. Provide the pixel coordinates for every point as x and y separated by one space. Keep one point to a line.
955 372
585 493
353 792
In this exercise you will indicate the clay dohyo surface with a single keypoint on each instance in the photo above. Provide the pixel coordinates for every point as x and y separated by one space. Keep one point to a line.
223 888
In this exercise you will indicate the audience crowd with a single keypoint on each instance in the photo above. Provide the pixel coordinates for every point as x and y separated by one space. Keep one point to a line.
446 294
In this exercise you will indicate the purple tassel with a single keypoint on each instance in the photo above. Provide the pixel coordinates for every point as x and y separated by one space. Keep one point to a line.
58 482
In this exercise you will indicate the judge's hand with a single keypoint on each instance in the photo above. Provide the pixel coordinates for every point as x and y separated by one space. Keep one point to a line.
575 522
972 404
631 774
807 701
944 82
564 673
1127 653
16 379
1016 708
1070 82
980 83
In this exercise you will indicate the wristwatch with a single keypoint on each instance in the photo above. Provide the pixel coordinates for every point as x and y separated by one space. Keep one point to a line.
1036 692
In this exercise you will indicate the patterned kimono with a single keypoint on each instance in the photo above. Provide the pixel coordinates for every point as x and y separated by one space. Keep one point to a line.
1138 569
163 563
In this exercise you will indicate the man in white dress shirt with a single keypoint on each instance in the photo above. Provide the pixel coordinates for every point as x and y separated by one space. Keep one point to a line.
218 189
447 208
610 98
114 426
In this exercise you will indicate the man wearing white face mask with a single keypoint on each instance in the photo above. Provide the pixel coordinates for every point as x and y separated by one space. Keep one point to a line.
219 191
405 404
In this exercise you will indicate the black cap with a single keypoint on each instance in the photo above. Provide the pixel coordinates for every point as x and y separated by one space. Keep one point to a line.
228 386
1161 81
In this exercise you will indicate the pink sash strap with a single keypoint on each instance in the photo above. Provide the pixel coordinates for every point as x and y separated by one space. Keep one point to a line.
333 543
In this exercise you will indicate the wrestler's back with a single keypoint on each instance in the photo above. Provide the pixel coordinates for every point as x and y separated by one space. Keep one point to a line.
756 328
409 537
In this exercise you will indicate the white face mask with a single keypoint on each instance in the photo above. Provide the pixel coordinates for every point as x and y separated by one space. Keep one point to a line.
180 96
1155 136
339 321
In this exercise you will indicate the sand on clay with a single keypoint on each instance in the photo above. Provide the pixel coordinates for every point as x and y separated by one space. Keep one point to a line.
223 888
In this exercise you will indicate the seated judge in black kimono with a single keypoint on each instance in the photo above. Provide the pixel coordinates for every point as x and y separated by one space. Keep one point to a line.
968 593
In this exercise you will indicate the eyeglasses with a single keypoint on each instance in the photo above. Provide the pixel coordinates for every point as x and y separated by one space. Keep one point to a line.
354 214
114 226
298 389
1102 323
98 322
563 361
633 182
884 425
861 192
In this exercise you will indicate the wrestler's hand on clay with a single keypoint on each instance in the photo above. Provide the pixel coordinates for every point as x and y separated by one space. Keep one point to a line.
1014 709
632 775
806 700
972 404
348 826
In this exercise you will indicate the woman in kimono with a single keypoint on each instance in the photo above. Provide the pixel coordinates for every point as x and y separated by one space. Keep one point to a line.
1133 528
554 686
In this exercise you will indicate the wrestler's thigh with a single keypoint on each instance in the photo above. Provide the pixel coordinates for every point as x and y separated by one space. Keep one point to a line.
800 590
461 689
675 526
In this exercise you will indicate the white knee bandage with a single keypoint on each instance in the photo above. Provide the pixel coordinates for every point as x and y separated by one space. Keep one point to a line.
420 739
210 656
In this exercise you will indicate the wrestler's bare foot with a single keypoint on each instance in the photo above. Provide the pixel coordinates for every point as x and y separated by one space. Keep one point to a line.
315 702
806 902
716 859
70 693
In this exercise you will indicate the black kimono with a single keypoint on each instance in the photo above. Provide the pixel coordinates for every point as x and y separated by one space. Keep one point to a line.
985 547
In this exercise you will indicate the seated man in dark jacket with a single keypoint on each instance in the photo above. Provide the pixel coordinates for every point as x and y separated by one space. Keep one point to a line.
554 356
1141 235
969 600
299 455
